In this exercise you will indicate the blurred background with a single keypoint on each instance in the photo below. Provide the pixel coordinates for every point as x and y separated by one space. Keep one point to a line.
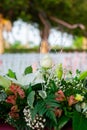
31 28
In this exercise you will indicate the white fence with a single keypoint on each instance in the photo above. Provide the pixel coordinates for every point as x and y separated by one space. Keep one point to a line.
18 62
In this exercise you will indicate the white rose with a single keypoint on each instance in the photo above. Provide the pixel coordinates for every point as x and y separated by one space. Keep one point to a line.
46 62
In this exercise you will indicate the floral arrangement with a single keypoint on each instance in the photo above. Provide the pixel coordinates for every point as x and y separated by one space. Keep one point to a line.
48 98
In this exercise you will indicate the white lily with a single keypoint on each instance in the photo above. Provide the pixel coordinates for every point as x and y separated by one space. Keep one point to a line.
32 78
38 78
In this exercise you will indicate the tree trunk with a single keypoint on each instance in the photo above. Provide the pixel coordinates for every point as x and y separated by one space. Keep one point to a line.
1 39
44 48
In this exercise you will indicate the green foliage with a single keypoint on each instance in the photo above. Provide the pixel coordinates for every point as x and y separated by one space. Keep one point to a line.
85 83
4 82
46 107
78 42
59 71
22 50
3 96
74 11
55 100
30 99
62 122
36 50
11 74
16 45
42 93
28 70
80 120
37 87
19 124
12 8
83 75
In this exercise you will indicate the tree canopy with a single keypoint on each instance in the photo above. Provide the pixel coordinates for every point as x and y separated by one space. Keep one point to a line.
48 13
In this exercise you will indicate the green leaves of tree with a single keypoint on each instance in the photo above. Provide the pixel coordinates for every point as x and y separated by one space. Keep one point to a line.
27 10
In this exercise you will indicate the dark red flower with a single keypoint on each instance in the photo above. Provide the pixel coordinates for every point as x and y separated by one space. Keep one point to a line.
14 114
11 99
13 88
17 90
20 92
58 112
14 108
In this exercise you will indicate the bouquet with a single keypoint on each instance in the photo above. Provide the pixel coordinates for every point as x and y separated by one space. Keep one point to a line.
48 98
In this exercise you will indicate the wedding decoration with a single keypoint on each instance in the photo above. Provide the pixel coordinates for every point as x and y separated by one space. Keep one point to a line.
46 99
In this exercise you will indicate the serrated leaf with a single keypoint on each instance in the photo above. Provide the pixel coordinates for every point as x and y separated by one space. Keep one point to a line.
79 119
4 82
28 70
83 75
30 99
11 74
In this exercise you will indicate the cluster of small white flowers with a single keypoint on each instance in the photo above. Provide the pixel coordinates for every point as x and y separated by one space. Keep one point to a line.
27 115
37 123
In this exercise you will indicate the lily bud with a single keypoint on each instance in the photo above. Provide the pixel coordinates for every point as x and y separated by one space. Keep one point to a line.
59 71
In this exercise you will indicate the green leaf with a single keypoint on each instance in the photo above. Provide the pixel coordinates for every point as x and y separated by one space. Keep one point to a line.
3 96
79 121
40 108
51 115
4 82
30 99
28 70
42 94
83 75
78 107
62 121
59 71
37 86
85 83
44 105
53 87
11 74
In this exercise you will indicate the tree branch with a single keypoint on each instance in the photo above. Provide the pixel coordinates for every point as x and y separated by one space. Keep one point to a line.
70 26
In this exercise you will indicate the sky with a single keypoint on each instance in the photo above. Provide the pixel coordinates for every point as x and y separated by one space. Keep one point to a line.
28 33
